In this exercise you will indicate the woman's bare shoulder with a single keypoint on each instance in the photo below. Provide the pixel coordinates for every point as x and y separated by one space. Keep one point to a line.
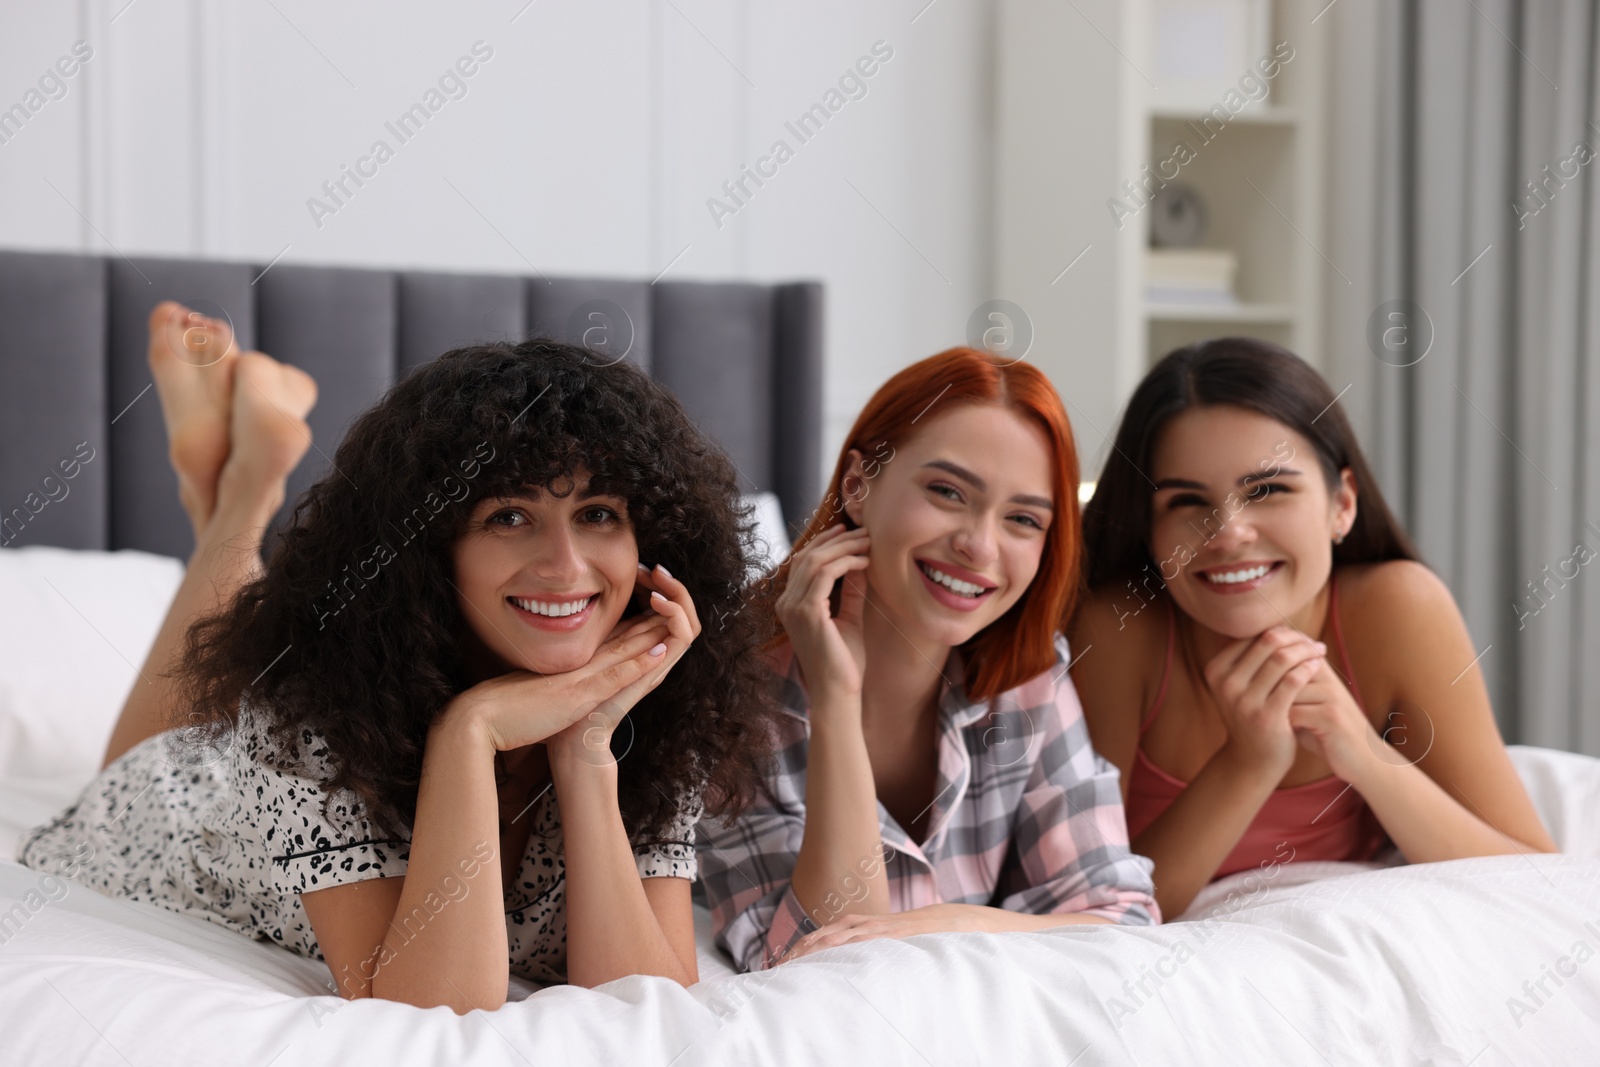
1398 614
1394 590
1122 623
1117 638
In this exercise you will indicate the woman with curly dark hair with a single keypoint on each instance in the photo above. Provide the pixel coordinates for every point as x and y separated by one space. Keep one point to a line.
454 729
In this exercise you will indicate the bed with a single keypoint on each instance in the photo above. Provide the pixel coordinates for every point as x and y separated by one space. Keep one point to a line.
1473 962
1477 961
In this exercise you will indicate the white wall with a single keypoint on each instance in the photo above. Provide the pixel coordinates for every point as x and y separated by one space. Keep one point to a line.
1064 107
588 144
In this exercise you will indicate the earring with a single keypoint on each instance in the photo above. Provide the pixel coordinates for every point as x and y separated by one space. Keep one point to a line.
1340 539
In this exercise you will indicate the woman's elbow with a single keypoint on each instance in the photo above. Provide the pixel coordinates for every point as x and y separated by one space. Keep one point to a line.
688 972
1173 905
449 995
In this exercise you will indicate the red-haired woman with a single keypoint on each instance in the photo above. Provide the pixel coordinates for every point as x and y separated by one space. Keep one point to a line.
934 770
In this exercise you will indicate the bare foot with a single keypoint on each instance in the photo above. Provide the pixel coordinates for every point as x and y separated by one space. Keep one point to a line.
268 435
192 359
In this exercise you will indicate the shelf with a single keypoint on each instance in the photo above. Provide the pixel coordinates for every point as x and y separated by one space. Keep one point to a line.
1282 314
1262 116
1263 177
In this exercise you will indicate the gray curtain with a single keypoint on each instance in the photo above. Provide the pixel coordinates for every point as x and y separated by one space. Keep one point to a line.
1464 167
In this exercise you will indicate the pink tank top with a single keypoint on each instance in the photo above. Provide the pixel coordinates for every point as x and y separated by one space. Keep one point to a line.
1320 820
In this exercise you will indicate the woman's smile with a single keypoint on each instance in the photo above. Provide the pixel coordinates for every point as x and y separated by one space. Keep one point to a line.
1237 515
973 483
555 612
955 587
1228 579
543 578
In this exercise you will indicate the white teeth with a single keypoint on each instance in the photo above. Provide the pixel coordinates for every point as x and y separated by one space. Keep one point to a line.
953 584
554 611
1233 577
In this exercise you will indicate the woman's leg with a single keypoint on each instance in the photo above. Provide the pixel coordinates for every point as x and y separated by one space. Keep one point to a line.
231 486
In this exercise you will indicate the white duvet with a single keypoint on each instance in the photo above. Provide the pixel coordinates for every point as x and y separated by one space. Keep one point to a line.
1487 962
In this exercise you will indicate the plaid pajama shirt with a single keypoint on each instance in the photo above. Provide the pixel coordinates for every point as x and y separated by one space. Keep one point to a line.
1026 817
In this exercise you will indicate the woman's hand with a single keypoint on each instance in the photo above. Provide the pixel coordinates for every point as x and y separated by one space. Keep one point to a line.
589 738
1327 720
830 649
520 708
1255 680
933 919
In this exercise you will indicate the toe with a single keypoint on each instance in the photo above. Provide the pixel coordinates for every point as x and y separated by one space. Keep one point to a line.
162 312
290 389
206 340
301 386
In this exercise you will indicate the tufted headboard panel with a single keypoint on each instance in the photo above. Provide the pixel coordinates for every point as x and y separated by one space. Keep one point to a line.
76 395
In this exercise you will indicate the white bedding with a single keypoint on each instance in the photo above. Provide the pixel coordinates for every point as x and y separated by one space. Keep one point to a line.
1411 964
1322 963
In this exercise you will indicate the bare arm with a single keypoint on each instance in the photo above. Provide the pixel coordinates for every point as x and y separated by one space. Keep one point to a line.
1440 780
1113 646
1016 920
420 939
836 872
1119 639
934 919
419 943
1189 841
833 872
617 923
1253 682
1429 824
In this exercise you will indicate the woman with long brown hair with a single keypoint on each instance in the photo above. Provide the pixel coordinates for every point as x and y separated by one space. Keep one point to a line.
934 770
1276 675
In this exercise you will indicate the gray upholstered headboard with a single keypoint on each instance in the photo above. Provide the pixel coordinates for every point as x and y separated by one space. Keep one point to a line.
745 359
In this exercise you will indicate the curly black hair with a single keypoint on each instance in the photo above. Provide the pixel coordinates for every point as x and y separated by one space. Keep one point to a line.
360 584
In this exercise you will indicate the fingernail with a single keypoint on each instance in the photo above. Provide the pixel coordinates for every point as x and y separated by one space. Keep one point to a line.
659 648
662 567
655 594
643 567
1321 647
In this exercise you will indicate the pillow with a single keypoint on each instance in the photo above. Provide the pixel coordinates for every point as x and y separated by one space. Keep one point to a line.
771 545
1565 789
74 634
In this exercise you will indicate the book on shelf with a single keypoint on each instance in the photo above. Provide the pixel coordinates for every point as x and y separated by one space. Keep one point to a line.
1190 276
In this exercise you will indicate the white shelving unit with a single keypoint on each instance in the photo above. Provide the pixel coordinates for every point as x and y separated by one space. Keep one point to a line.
1260 176
1077 118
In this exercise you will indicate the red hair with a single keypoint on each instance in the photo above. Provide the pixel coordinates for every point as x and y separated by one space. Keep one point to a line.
1021 643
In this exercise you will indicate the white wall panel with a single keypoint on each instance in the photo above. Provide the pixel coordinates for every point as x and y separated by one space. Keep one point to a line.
42 145
589 143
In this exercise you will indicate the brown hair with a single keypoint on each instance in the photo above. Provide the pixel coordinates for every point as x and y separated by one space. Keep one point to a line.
1239 372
